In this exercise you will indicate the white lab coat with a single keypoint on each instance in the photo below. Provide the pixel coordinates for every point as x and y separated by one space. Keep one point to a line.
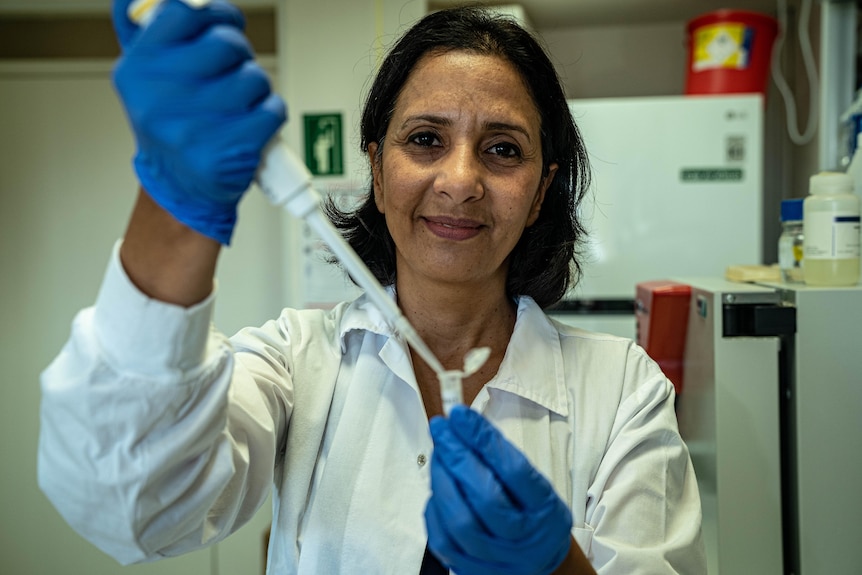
160 435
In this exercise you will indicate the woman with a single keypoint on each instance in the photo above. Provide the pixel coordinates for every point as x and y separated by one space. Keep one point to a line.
476 172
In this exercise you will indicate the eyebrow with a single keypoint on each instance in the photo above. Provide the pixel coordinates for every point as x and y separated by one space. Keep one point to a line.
443 121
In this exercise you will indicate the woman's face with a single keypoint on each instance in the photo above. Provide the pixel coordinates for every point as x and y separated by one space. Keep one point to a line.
461 171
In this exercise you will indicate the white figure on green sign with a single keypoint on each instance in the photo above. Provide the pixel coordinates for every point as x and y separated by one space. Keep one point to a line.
323 144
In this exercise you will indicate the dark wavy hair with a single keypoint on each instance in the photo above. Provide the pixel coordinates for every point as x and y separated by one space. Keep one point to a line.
544 263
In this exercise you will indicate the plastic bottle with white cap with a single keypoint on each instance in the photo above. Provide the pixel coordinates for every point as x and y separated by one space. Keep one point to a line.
832 231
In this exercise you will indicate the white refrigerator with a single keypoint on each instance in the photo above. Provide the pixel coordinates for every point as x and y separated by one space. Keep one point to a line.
677 189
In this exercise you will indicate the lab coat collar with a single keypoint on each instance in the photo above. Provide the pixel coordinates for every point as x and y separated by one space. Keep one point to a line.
532 367
363 315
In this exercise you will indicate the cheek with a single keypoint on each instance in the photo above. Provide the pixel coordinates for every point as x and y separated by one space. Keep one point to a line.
378 199
526 209
398 192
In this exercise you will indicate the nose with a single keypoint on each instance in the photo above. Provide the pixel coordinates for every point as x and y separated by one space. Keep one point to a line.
459 174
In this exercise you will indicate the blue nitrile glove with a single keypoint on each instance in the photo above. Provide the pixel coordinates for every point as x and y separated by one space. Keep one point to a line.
490 511
201 108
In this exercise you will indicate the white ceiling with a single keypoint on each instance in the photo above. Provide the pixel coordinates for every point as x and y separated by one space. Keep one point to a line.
543 14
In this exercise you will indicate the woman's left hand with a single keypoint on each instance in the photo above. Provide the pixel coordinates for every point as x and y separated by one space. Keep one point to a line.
490 511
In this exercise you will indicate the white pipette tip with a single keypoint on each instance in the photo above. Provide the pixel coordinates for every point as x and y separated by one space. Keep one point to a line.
141 12
451 381
475 359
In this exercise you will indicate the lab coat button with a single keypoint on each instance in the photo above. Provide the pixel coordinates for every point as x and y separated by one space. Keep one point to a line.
421 459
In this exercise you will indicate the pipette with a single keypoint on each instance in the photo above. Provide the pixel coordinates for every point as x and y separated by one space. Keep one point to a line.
286 182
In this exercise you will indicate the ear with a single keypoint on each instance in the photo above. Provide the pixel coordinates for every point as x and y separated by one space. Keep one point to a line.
376 175
540 195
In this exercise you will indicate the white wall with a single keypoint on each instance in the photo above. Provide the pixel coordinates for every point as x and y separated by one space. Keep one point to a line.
327 62
66 188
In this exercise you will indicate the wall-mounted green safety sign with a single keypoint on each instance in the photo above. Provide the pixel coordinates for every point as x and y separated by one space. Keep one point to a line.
323 144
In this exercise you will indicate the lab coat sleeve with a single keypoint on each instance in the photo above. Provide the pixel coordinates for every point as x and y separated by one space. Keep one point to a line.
156 439
645 507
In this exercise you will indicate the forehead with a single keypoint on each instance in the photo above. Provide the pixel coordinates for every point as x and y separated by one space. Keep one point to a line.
454 80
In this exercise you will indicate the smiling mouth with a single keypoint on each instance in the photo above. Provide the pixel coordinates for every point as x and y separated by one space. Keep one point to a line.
453 229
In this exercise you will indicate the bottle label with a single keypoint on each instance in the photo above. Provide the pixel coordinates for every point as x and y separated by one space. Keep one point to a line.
789 253
831 236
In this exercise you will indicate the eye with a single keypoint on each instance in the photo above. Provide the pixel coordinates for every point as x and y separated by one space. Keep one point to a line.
425 139
505 150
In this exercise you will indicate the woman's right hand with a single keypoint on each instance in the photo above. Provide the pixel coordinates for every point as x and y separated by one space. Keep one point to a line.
490 510
201 109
